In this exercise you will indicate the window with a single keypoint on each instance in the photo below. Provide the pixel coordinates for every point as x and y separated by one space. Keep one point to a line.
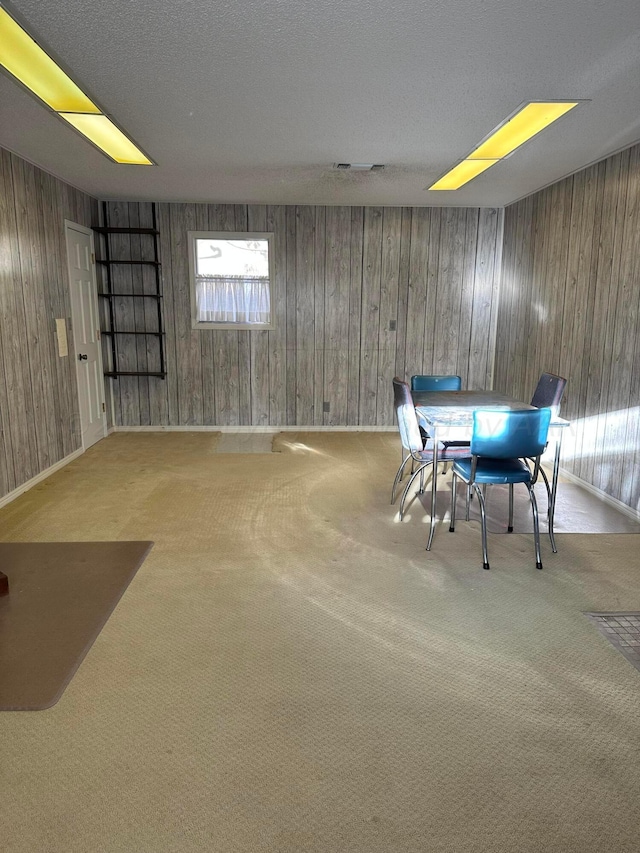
231 277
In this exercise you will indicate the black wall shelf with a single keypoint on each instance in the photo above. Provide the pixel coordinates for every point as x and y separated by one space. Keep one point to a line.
154 334
114 314
130 263
101 229
131 295
134 373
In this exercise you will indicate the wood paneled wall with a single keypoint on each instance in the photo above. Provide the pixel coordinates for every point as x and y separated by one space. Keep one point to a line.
343 277
39 420
570 305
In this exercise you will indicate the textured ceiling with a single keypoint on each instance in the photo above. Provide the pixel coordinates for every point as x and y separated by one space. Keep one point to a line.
255 101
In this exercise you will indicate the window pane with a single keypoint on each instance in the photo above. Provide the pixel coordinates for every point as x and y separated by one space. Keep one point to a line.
227 258
230 279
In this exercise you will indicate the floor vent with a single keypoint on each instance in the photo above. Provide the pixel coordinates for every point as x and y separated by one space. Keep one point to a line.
360 167
623 630
245 442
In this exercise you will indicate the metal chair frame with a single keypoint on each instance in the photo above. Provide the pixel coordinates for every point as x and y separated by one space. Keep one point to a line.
547 395
412 444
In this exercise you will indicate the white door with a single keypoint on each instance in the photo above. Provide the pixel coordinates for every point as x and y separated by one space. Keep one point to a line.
86 333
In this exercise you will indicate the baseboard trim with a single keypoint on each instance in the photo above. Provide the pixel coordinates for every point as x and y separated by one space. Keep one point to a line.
20 490
625 509
256 429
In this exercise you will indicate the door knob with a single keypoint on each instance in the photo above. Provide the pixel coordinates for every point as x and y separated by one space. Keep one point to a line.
82 357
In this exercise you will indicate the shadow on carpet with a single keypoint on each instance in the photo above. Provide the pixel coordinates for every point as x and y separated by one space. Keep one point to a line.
60 597
577 511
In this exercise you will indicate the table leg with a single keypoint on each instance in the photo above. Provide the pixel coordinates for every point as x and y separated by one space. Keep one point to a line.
4 584
434 488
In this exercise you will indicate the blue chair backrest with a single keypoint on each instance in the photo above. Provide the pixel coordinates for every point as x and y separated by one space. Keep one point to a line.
549 391
436 383
510 435
407 418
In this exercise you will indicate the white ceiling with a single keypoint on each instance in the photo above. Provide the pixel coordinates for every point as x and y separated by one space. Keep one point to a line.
255 101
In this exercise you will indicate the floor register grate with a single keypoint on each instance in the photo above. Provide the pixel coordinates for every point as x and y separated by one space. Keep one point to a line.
247 442
623 630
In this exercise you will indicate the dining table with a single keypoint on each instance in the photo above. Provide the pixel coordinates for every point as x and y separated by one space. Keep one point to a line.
448 416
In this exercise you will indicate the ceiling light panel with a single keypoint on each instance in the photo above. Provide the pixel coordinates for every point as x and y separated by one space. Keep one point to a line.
108 138
462 174
525 124
528 121
26 61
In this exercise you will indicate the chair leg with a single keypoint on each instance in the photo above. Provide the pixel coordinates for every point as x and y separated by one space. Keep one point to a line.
546 483
483 521
399 476
452 521
536 526
549 519
469 496
405 456
417 473
510 527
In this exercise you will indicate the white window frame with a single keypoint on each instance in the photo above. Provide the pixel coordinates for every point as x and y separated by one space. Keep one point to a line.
192 236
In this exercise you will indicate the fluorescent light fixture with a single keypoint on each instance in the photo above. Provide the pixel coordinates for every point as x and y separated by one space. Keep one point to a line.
107 137
26 61
511 134
527 122
461 174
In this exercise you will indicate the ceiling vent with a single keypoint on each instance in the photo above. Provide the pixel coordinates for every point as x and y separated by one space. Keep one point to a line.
360 167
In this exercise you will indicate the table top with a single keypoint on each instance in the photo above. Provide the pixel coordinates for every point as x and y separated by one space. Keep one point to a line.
455 408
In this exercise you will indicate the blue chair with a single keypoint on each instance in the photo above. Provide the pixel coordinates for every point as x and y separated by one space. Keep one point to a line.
500 441
433 383
436 383
413 444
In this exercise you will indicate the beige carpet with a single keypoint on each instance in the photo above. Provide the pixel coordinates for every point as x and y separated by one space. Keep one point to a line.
291 671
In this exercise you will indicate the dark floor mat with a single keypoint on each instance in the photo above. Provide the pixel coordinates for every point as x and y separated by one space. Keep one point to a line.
60 596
